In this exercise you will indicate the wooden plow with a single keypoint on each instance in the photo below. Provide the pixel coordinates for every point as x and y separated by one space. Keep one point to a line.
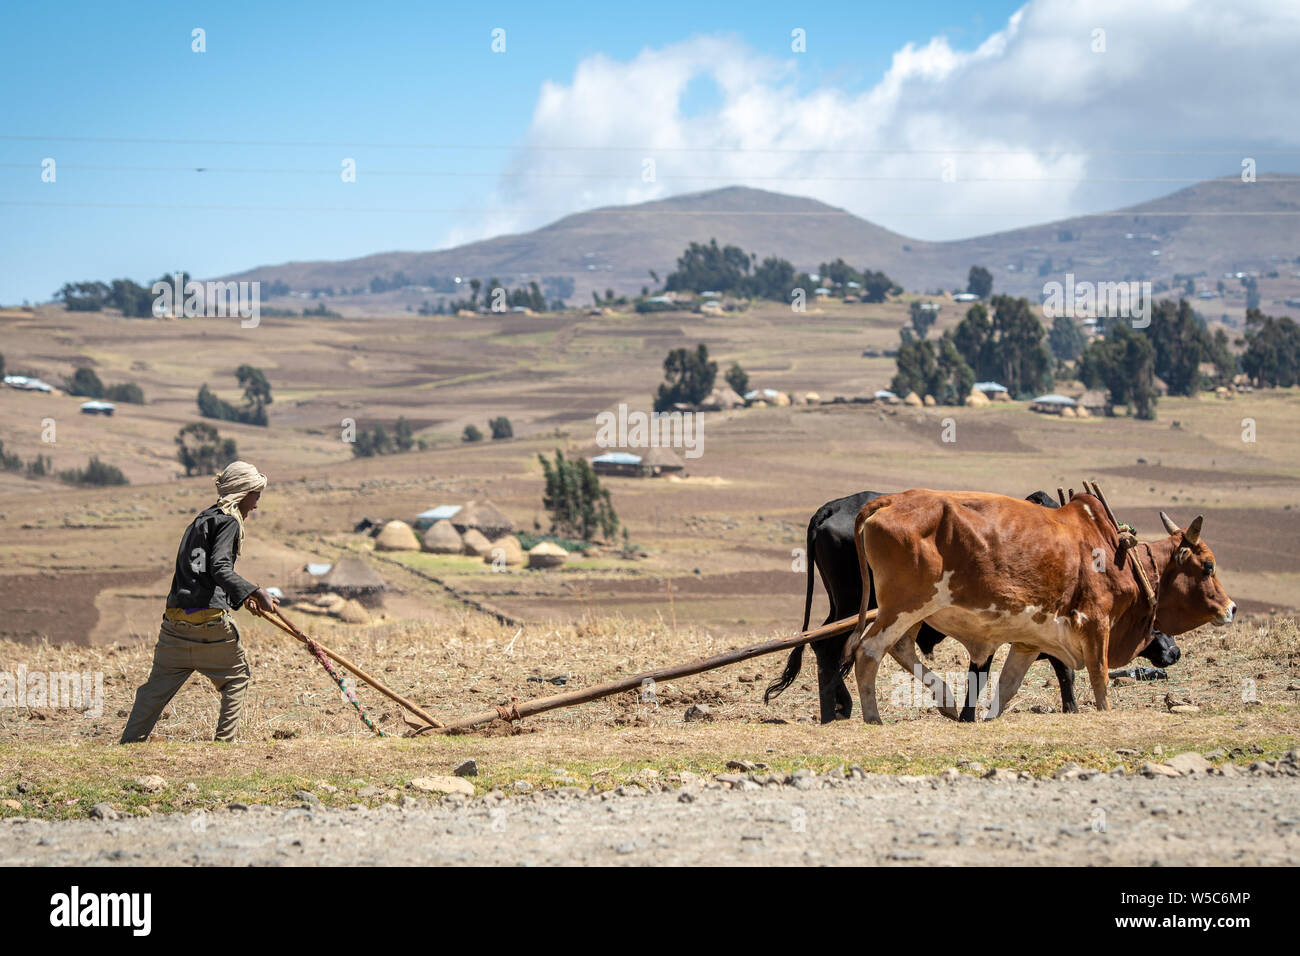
518 710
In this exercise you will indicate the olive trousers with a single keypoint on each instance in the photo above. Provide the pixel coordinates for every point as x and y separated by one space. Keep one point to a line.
212 649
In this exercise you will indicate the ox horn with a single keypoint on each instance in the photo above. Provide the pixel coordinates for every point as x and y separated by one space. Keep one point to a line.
1168 522
1193 533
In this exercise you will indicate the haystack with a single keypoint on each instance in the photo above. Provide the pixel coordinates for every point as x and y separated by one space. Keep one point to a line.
397 536
441 538
977 398
507 548
330 601
351 612
547 555
475 543
485 517
913 399
812 398
929 401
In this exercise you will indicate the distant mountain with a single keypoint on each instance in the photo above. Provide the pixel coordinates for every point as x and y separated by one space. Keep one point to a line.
1223 227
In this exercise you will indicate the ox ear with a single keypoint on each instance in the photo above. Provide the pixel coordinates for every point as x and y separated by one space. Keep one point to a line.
1193 533
1168 522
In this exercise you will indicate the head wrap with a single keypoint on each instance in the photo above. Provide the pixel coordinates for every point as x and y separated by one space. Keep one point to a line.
236 480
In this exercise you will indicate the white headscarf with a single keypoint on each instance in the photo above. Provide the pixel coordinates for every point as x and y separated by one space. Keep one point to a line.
235 481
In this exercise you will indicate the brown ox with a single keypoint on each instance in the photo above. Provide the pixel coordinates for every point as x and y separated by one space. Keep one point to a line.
990 570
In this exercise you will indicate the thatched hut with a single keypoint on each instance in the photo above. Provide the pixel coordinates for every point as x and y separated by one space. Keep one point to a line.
547 555
508 549
353 578
441 538
475 543
484 517
397 536
662 461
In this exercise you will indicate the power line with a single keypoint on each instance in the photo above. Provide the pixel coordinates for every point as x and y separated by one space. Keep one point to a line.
615 177
626 211
531 147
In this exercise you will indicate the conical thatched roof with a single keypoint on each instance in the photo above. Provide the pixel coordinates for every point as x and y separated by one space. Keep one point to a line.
352 574
441 538
547 555
476 543
662 458
507 548
486 517
397 536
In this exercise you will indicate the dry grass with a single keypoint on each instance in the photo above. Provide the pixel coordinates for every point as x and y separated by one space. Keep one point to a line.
298 733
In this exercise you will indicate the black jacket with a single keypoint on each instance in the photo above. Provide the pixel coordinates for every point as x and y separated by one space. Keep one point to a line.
205 565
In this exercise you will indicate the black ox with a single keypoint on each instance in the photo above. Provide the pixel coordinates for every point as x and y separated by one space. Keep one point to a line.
832 551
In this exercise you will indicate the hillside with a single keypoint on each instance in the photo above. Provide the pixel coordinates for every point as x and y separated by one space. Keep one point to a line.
1229 227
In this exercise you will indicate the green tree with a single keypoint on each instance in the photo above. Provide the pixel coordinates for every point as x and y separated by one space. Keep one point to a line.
876 286
95 473
689 378
1272 350
980 282
85 383
1010 348
1124 364
471 433
737 378
1181 342
922 318
773 278
129 393
501 428
1066 339
1225 362
202 450
83 296
973 335
918 368
957 376
257 390
403 435
703 268
573 497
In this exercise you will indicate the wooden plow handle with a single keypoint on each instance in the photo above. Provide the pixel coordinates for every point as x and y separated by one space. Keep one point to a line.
283 623
521 709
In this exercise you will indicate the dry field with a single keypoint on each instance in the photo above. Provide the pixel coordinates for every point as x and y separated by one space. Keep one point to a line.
83 572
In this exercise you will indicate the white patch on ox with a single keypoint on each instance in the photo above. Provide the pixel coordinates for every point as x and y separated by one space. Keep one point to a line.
982 631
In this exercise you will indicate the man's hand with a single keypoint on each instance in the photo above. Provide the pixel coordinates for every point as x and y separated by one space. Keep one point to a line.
260 602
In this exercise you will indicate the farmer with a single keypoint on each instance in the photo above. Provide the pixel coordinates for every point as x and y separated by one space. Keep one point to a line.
198 630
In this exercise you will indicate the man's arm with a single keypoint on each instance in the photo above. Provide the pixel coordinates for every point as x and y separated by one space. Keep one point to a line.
221 563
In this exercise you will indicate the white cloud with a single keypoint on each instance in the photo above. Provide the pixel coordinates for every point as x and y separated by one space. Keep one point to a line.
1033 103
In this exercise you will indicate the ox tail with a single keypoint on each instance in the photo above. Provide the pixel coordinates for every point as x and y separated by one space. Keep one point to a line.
860 541
792 668
795 662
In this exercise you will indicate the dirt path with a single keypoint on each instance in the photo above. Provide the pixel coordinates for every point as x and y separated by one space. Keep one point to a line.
1248 820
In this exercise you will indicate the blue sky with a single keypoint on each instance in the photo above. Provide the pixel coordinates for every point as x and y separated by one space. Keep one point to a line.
284 93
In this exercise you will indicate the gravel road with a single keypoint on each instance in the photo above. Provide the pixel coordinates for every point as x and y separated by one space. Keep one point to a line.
1249 819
